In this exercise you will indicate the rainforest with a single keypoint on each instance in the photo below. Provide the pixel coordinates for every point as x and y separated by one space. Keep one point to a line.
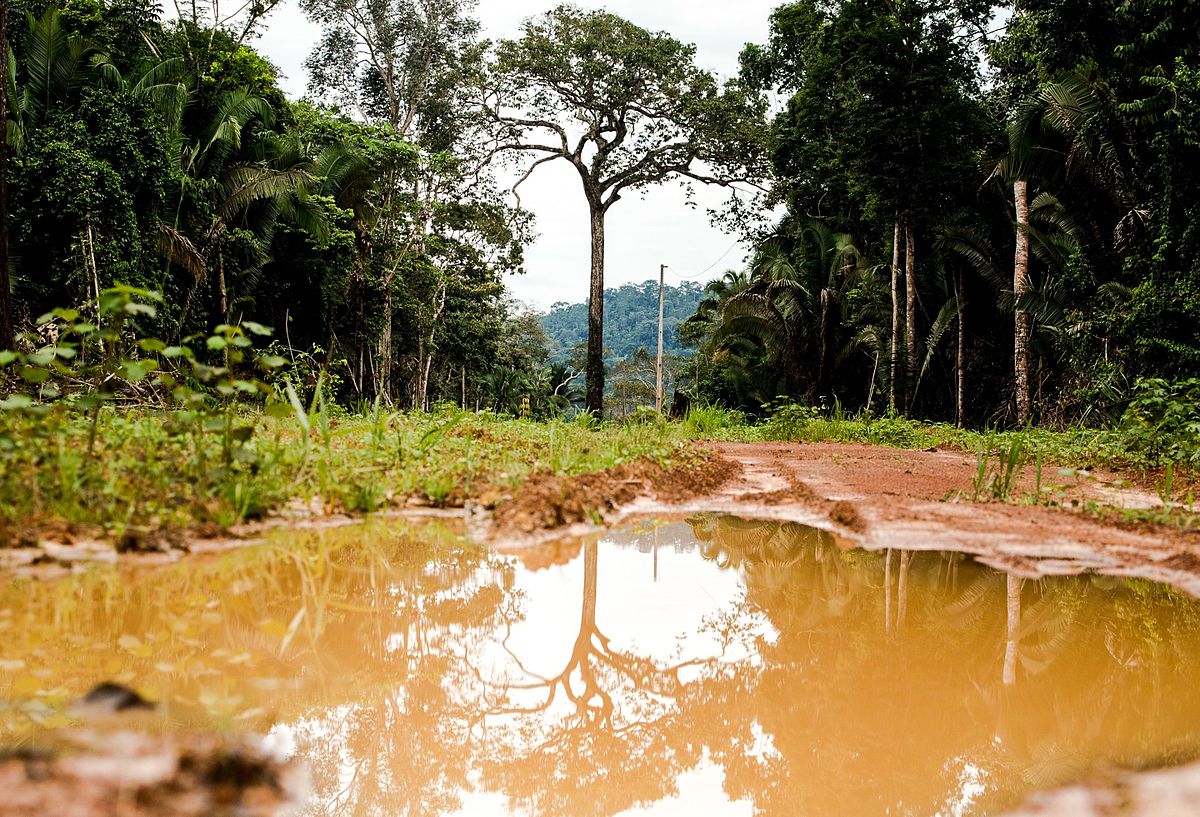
328 488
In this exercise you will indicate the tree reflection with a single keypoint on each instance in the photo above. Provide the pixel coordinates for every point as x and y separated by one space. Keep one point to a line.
403 747
840 681
612 745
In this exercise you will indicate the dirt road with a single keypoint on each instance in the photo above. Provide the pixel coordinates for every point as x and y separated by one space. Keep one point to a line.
888 498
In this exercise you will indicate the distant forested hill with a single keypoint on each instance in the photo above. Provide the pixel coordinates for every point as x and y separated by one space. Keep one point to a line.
630 319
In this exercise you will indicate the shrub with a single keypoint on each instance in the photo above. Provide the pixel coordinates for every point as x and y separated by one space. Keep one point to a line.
1162 423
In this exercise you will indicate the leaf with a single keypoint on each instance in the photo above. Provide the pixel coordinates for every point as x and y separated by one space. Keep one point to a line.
216 343
136 370
298 408
241 434
279 411
16 402
256 328
33 374
7 357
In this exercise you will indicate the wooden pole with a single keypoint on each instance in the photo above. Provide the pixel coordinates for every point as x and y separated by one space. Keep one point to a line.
658 373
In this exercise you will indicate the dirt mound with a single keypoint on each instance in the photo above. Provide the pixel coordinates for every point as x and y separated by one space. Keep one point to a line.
846 515
548 501
131 774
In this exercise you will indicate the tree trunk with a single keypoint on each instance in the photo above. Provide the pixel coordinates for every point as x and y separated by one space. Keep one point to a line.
895 368
384 355
823 364
910 314
902 588
1012 629
221 290
1022 325
7 331
595 347
960 361
887 591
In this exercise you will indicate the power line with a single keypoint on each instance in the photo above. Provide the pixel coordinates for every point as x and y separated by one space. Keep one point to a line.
709 268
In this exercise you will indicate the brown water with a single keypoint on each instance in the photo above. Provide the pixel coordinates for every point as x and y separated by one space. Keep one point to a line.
708 667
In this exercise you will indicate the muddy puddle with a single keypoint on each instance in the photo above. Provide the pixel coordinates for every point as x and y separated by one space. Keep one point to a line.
711 666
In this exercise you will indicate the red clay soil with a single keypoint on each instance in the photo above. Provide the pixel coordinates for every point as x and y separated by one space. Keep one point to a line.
920 500
547 502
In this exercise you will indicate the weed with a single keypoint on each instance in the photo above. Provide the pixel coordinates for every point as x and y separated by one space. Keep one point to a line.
995 478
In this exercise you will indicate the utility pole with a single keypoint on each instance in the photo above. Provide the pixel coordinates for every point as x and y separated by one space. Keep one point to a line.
658 379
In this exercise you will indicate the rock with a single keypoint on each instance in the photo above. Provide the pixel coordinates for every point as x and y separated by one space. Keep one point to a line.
110 698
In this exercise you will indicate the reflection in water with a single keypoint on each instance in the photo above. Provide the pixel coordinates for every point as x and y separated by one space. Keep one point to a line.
718 666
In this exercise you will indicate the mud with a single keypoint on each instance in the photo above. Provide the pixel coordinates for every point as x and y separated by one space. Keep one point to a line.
881 498
1165 793
548 502
876 498
132 774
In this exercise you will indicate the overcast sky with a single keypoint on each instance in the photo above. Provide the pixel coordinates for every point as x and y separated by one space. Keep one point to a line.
641 233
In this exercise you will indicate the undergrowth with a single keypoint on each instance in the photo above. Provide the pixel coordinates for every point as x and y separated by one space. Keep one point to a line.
102 428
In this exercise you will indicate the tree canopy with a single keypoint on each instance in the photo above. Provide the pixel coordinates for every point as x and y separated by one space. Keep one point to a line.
627 108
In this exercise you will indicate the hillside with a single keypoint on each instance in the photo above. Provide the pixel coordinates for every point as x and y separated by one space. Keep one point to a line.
630 320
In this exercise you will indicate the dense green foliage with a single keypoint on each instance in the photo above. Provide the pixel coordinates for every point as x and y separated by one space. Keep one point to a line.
631 322
916 154
163 155
907 131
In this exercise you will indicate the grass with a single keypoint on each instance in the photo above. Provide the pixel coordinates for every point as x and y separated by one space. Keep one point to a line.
149 478
146 477
1078 448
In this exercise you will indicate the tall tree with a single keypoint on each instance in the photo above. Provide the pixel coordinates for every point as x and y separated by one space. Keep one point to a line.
1022 360
627 108
403 66
880 133
396 62
6 311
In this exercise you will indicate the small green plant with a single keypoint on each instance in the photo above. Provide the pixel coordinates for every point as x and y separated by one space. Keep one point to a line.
365 496
1166 487
708 421
587 421
996 478
438 487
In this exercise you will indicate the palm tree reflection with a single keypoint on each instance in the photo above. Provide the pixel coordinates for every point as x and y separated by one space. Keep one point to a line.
854 682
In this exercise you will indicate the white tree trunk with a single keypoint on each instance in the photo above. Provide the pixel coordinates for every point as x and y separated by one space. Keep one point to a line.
1022 323
910 314
895 357
1013 629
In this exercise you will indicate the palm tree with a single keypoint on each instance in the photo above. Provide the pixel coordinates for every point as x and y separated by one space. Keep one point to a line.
794 305
1068 128
57 66
245 177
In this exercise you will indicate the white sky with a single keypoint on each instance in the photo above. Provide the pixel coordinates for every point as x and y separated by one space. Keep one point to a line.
641 233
